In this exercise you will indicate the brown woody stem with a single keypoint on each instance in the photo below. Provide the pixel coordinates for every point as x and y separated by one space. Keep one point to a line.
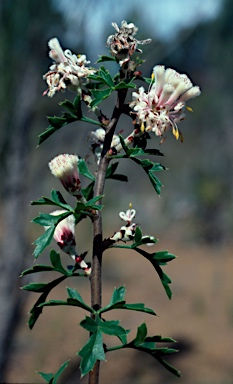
96 275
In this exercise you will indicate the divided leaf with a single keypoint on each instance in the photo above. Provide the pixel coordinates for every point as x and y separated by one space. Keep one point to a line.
51 378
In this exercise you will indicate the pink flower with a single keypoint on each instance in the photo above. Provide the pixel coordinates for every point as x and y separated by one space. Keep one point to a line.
64 233
65 238
65 168
162 107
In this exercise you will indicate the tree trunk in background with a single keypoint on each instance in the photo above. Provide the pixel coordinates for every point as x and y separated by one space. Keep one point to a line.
15 211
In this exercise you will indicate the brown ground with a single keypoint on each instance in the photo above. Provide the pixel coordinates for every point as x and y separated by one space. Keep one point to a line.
199 316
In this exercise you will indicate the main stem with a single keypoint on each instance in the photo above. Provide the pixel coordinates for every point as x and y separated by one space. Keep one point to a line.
96 275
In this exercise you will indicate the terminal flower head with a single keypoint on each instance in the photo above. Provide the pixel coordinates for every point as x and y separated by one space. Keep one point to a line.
67 70
65 168
64 233
123 44
162 107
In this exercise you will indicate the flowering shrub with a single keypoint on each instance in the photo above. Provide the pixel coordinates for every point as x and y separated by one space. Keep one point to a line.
156 111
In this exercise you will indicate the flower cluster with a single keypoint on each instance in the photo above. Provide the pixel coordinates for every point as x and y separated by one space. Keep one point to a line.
65 238
67 69
96 140
126 232
162 107
65 168
123 44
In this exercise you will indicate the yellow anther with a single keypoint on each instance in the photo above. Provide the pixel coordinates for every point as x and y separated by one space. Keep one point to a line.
189 109
175 132
152 76
142 127
130 205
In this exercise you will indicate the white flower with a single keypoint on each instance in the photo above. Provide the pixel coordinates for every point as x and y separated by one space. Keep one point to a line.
96 139
68 69
162 107
123 44
65 168
128 215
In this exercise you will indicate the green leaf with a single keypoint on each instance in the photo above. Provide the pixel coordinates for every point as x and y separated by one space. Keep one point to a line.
35 287
56 263
74 295
51 378
118 295
46 376
47 220
103 58
117 302
37 268
74 300
43 241
110 174
165 280
148 345
83 170
100 95
138 236
141 334
124 85
106 77
92 351
56 199
36 311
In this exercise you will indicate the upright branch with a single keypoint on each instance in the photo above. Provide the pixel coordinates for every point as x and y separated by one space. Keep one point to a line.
153 111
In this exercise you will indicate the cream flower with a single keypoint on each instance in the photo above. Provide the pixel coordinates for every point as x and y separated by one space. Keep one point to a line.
67 70
123 44
65 168
162 107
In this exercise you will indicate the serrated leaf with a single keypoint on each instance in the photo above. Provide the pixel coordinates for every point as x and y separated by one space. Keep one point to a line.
46 376
51 378
106 77
73 294
103 58
164 256
83 170
92 351
56 122
100 95
35 287
36 311
43 241
141 334
118 295
56 262
48 220
69 106
37 268
124 85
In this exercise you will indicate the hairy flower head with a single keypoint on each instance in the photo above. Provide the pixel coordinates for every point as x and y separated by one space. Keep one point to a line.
65 168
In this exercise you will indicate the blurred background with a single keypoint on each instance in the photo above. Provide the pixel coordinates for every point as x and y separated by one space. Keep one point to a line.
193 218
